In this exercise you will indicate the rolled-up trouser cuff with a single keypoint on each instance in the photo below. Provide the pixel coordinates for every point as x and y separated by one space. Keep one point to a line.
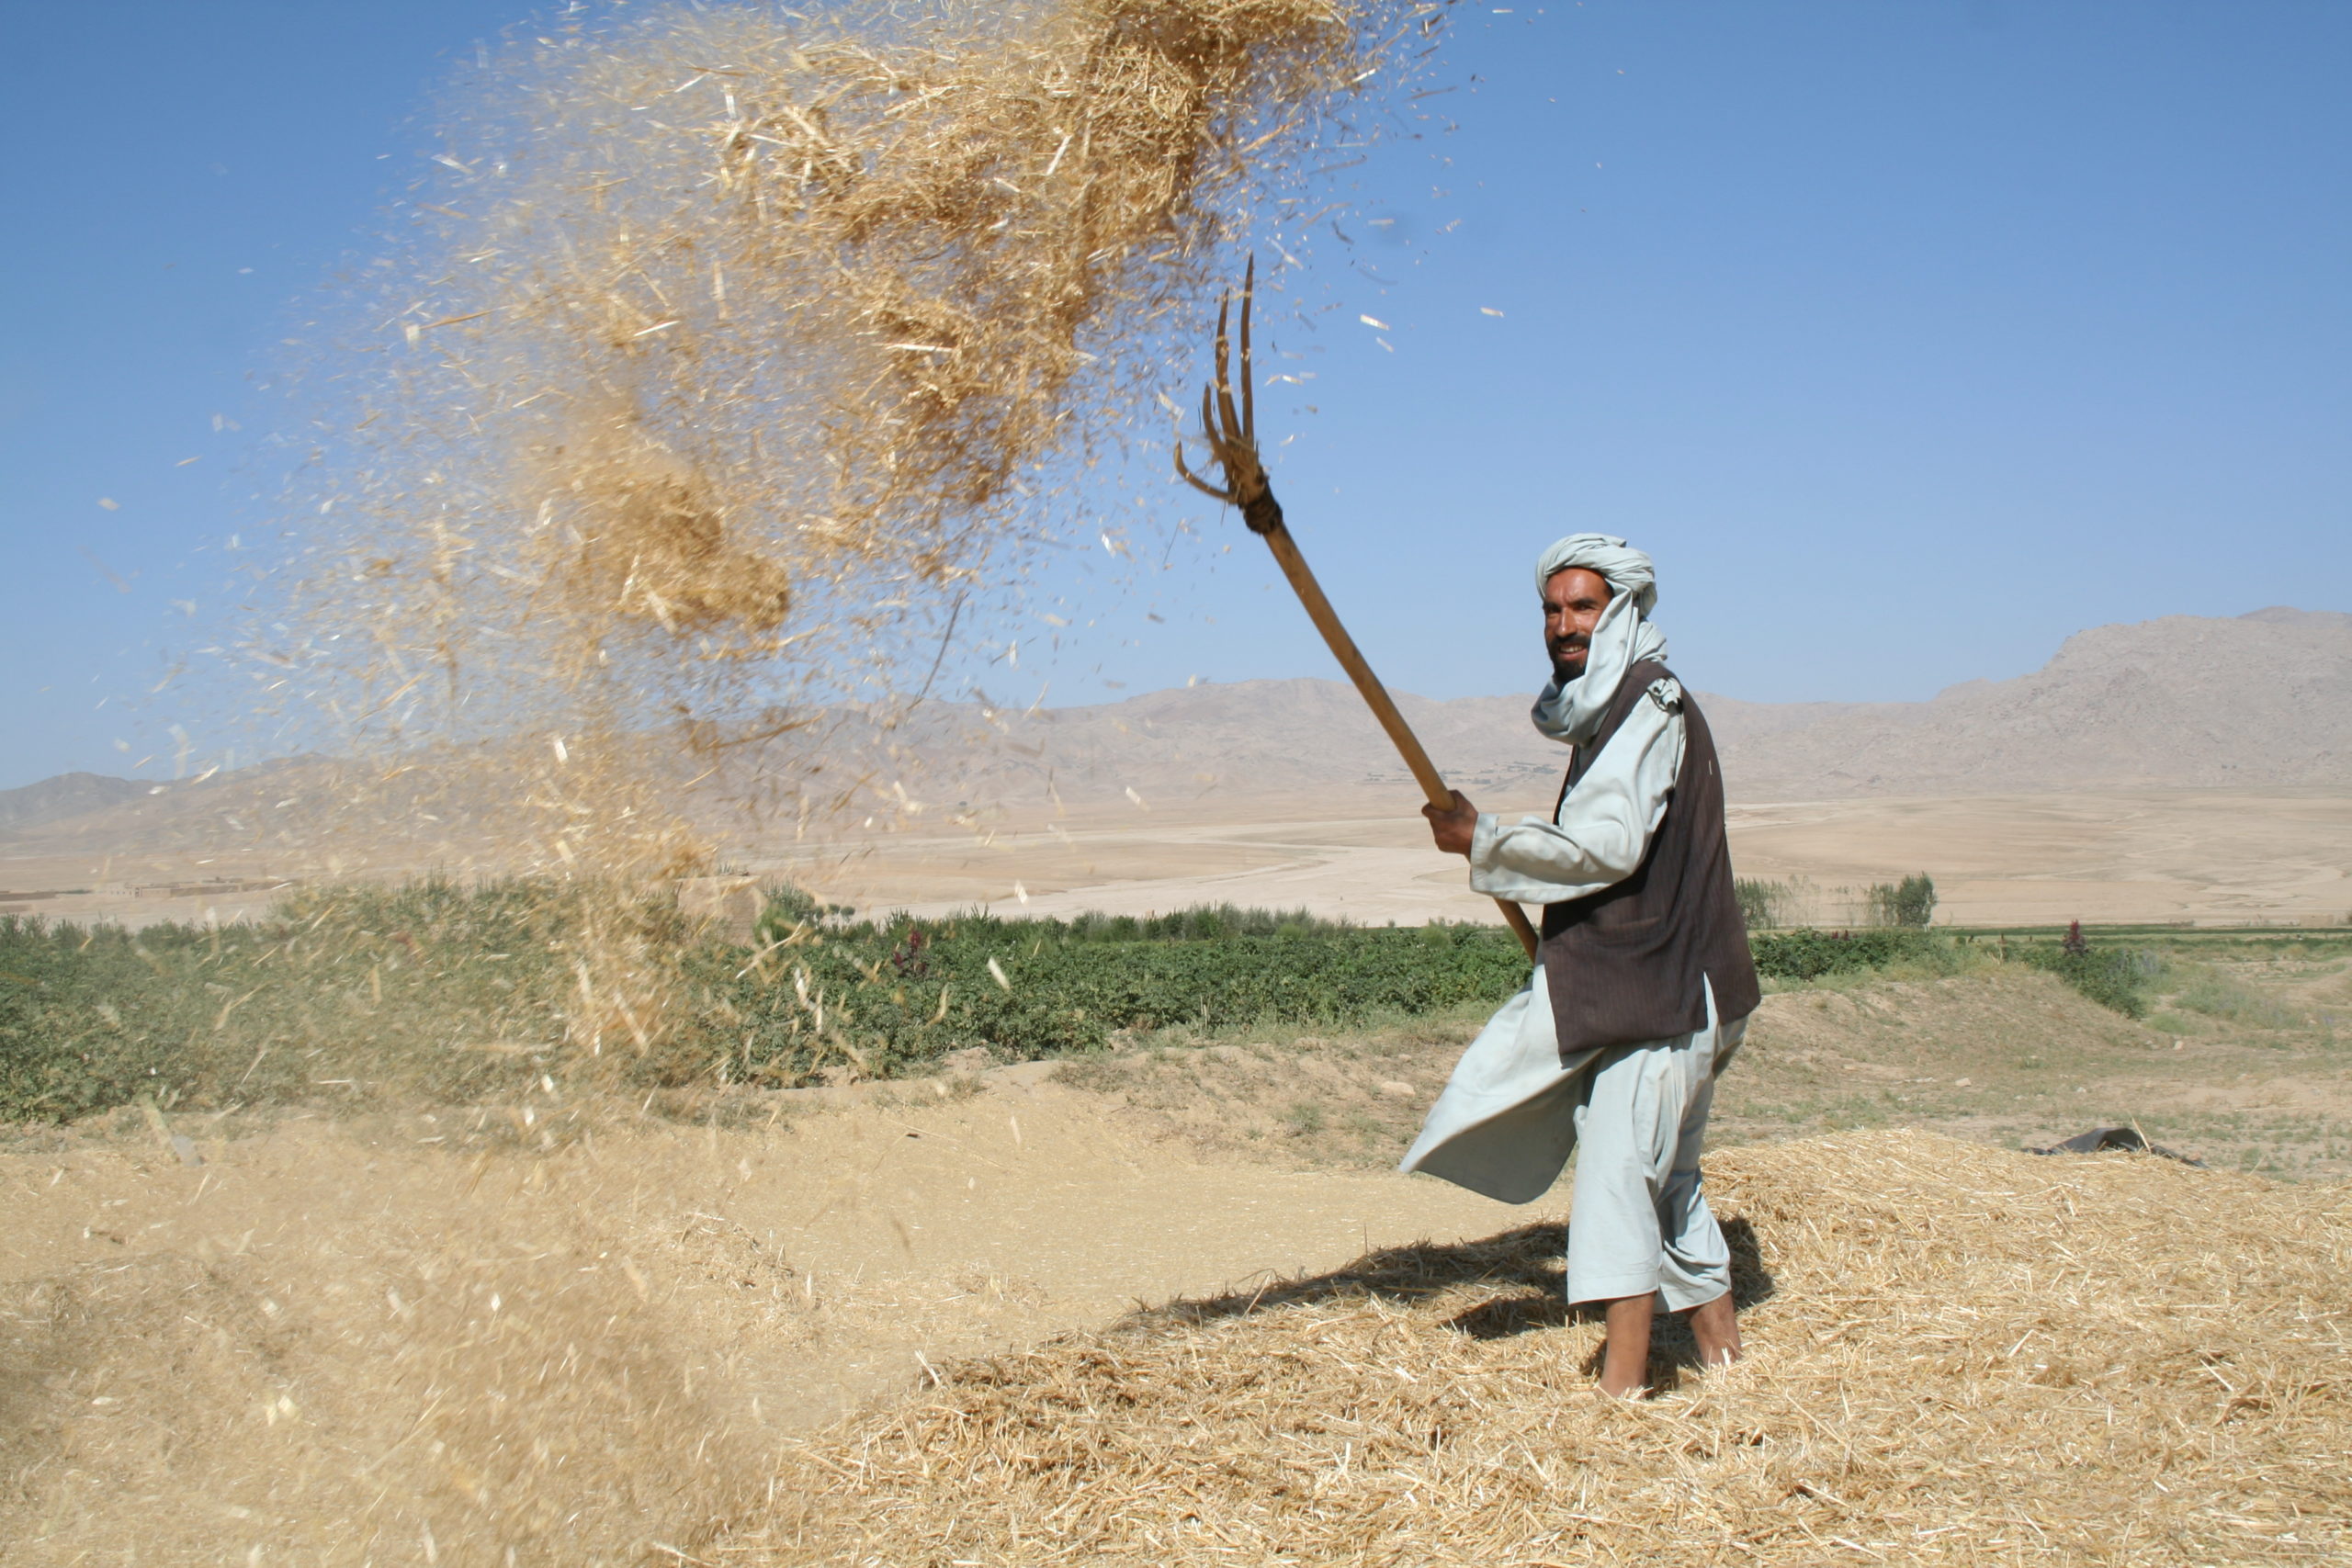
1681 1289
1685 1288
1613 1287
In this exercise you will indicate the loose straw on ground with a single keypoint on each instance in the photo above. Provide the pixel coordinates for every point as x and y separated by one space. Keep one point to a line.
1956 1355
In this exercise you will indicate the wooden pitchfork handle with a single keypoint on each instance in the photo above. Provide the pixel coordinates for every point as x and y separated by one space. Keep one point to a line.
1232 434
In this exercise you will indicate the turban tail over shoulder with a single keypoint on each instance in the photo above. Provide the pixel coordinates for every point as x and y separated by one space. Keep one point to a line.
1625 637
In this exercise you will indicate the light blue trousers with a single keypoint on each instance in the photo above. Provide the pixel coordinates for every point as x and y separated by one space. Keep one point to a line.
1639 1221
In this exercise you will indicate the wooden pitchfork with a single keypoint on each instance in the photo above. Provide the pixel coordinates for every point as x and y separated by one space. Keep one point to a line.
1232 436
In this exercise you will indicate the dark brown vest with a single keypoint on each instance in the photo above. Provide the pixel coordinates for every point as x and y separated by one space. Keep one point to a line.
1626 964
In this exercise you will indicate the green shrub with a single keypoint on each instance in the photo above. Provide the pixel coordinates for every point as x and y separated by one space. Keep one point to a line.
788 908
1759 902
73 1034
1810 955
433 990
2114 977
888 998
448 993
442 992
1910 902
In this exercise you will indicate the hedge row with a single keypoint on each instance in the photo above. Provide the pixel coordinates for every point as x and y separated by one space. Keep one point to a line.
450 994
895 996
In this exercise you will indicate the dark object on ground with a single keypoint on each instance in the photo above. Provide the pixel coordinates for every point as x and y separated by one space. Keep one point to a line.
2099 1138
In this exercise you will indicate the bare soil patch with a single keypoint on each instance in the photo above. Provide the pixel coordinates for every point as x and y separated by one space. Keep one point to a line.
332 1342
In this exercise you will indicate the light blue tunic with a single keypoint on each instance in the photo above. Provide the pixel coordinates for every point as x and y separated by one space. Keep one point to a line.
1515 1109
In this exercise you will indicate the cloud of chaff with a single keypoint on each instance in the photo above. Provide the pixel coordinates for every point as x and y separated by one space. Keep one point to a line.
728 353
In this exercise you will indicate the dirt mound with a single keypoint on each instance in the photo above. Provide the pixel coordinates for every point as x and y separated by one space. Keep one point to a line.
374 1359
1957 1355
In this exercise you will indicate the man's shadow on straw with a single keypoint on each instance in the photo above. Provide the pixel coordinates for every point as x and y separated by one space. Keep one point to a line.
1525 1264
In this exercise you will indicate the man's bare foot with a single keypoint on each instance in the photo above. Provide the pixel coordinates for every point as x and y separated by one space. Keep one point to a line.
1716 1328
1626 1360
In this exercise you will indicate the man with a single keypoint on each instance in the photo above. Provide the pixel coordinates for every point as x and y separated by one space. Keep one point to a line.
1643 982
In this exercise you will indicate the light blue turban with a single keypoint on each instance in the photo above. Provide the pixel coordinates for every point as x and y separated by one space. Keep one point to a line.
1623 568
1572 714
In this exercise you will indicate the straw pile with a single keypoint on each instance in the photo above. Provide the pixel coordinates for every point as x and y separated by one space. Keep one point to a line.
1956 1355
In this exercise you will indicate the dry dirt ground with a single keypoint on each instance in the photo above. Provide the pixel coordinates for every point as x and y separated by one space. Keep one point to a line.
2004 1057
2281 856
136 889
460 1336
301 1343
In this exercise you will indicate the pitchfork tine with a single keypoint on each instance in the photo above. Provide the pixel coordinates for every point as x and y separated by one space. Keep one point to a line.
1187 475
1224 340
1249 364
1230 419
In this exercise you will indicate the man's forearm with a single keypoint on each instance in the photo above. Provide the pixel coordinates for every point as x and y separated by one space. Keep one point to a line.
1534 862
1603 828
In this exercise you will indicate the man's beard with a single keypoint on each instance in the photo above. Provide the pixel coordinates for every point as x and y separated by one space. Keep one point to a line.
1563 671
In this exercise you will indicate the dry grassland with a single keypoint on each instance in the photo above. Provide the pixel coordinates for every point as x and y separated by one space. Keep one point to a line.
2001 1057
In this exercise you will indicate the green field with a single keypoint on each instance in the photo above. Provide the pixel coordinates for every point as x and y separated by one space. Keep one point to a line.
440 993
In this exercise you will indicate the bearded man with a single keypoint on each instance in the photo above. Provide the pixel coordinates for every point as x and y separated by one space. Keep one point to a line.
1643 982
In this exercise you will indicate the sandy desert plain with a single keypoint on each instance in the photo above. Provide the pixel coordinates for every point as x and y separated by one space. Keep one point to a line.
2127 781
2131 780
1361 853
2110 857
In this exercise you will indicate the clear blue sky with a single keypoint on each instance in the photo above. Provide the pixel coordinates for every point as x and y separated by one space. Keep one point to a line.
1911 337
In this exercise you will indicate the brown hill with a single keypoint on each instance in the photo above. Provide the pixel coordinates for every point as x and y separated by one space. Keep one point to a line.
2260 701
244 808
63 796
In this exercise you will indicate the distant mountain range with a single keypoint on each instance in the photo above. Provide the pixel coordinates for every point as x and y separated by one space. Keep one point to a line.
2263 700
2258 701
66 794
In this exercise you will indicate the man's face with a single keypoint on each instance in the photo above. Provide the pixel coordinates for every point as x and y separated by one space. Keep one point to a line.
1573 599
